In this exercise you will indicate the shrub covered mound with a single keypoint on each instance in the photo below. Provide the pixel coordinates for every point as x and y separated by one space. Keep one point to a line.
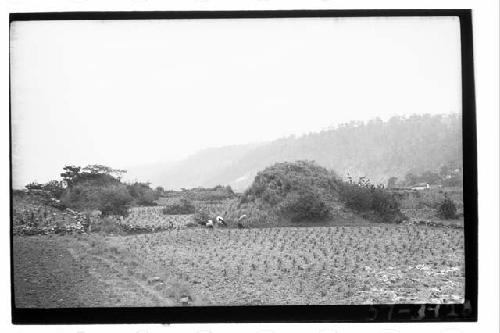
295 191
304 191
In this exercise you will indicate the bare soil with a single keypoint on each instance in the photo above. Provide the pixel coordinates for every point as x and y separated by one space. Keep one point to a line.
65 272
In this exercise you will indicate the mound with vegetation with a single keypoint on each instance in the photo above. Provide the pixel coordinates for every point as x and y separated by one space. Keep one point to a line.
303 191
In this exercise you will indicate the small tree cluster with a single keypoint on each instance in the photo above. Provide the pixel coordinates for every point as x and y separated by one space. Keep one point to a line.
447 209
366 198
95 187
110 200
33 186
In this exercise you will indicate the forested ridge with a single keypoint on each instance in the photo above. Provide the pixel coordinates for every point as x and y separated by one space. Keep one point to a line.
375 149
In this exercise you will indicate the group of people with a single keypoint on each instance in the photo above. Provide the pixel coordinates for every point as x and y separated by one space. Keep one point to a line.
220 222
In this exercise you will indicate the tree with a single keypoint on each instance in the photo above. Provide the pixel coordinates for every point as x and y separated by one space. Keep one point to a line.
447 210
411 179
95 186
102 169
54 187
70 174
368 199
229 190
430 177
111 199
33 186
97 174
142 193
391 183
445 170
114 200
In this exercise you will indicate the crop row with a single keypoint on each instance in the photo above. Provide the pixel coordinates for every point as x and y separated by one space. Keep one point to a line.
327 265
153 219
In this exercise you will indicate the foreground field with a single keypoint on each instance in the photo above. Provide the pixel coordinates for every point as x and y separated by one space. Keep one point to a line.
63 271
323 265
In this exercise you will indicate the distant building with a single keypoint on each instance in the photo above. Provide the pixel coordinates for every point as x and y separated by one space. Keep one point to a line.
419 187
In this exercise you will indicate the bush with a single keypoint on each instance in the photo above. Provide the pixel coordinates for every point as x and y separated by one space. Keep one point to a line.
368 199
34 186
143 195
114 200
54 188
217 193
303 205
185 206
447 210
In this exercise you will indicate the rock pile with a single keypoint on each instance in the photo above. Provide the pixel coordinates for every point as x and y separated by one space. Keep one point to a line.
31 216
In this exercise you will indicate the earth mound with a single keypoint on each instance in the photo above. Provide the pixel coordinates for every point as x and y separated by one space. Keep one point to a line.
304 192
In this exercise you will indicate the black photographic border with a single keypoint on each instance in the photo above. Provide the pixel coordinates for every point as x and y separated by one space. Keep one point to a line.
466 312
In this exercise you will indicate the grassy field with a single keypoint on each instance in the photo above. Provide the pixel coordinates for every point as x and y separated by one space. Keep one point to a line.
376 264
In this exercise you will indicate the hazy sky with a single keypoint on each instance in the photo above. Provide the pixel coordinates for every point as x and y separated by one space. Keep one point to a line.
124 93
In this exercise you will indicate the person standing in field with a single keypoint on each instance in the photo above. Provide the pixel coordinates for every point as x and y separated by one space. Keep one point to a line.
220 220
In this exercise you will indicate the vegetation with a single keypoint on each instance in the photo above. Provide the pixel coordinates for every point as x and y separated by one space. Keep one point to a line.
303 190
33 186
99 187
112 199
201 216
152 219
449 175
55 188
376 149
143 195
214 194
34 214
296 191
447 209
182 207
368 199
305 204
379 264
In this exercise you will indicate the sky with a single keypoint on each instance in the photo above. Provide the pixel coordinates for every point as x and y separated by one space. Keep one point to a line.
126 93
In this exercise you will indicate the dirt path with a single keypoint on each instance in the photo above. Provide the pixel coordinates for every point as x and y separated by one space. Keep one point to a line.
62 271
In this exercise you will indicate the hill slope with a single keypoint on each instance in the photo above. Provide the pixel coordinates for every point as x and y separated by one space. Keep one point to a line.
376 149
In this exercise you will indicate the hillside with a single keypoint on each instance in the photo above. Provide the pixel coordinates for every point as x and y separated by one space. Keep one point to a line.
375 149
